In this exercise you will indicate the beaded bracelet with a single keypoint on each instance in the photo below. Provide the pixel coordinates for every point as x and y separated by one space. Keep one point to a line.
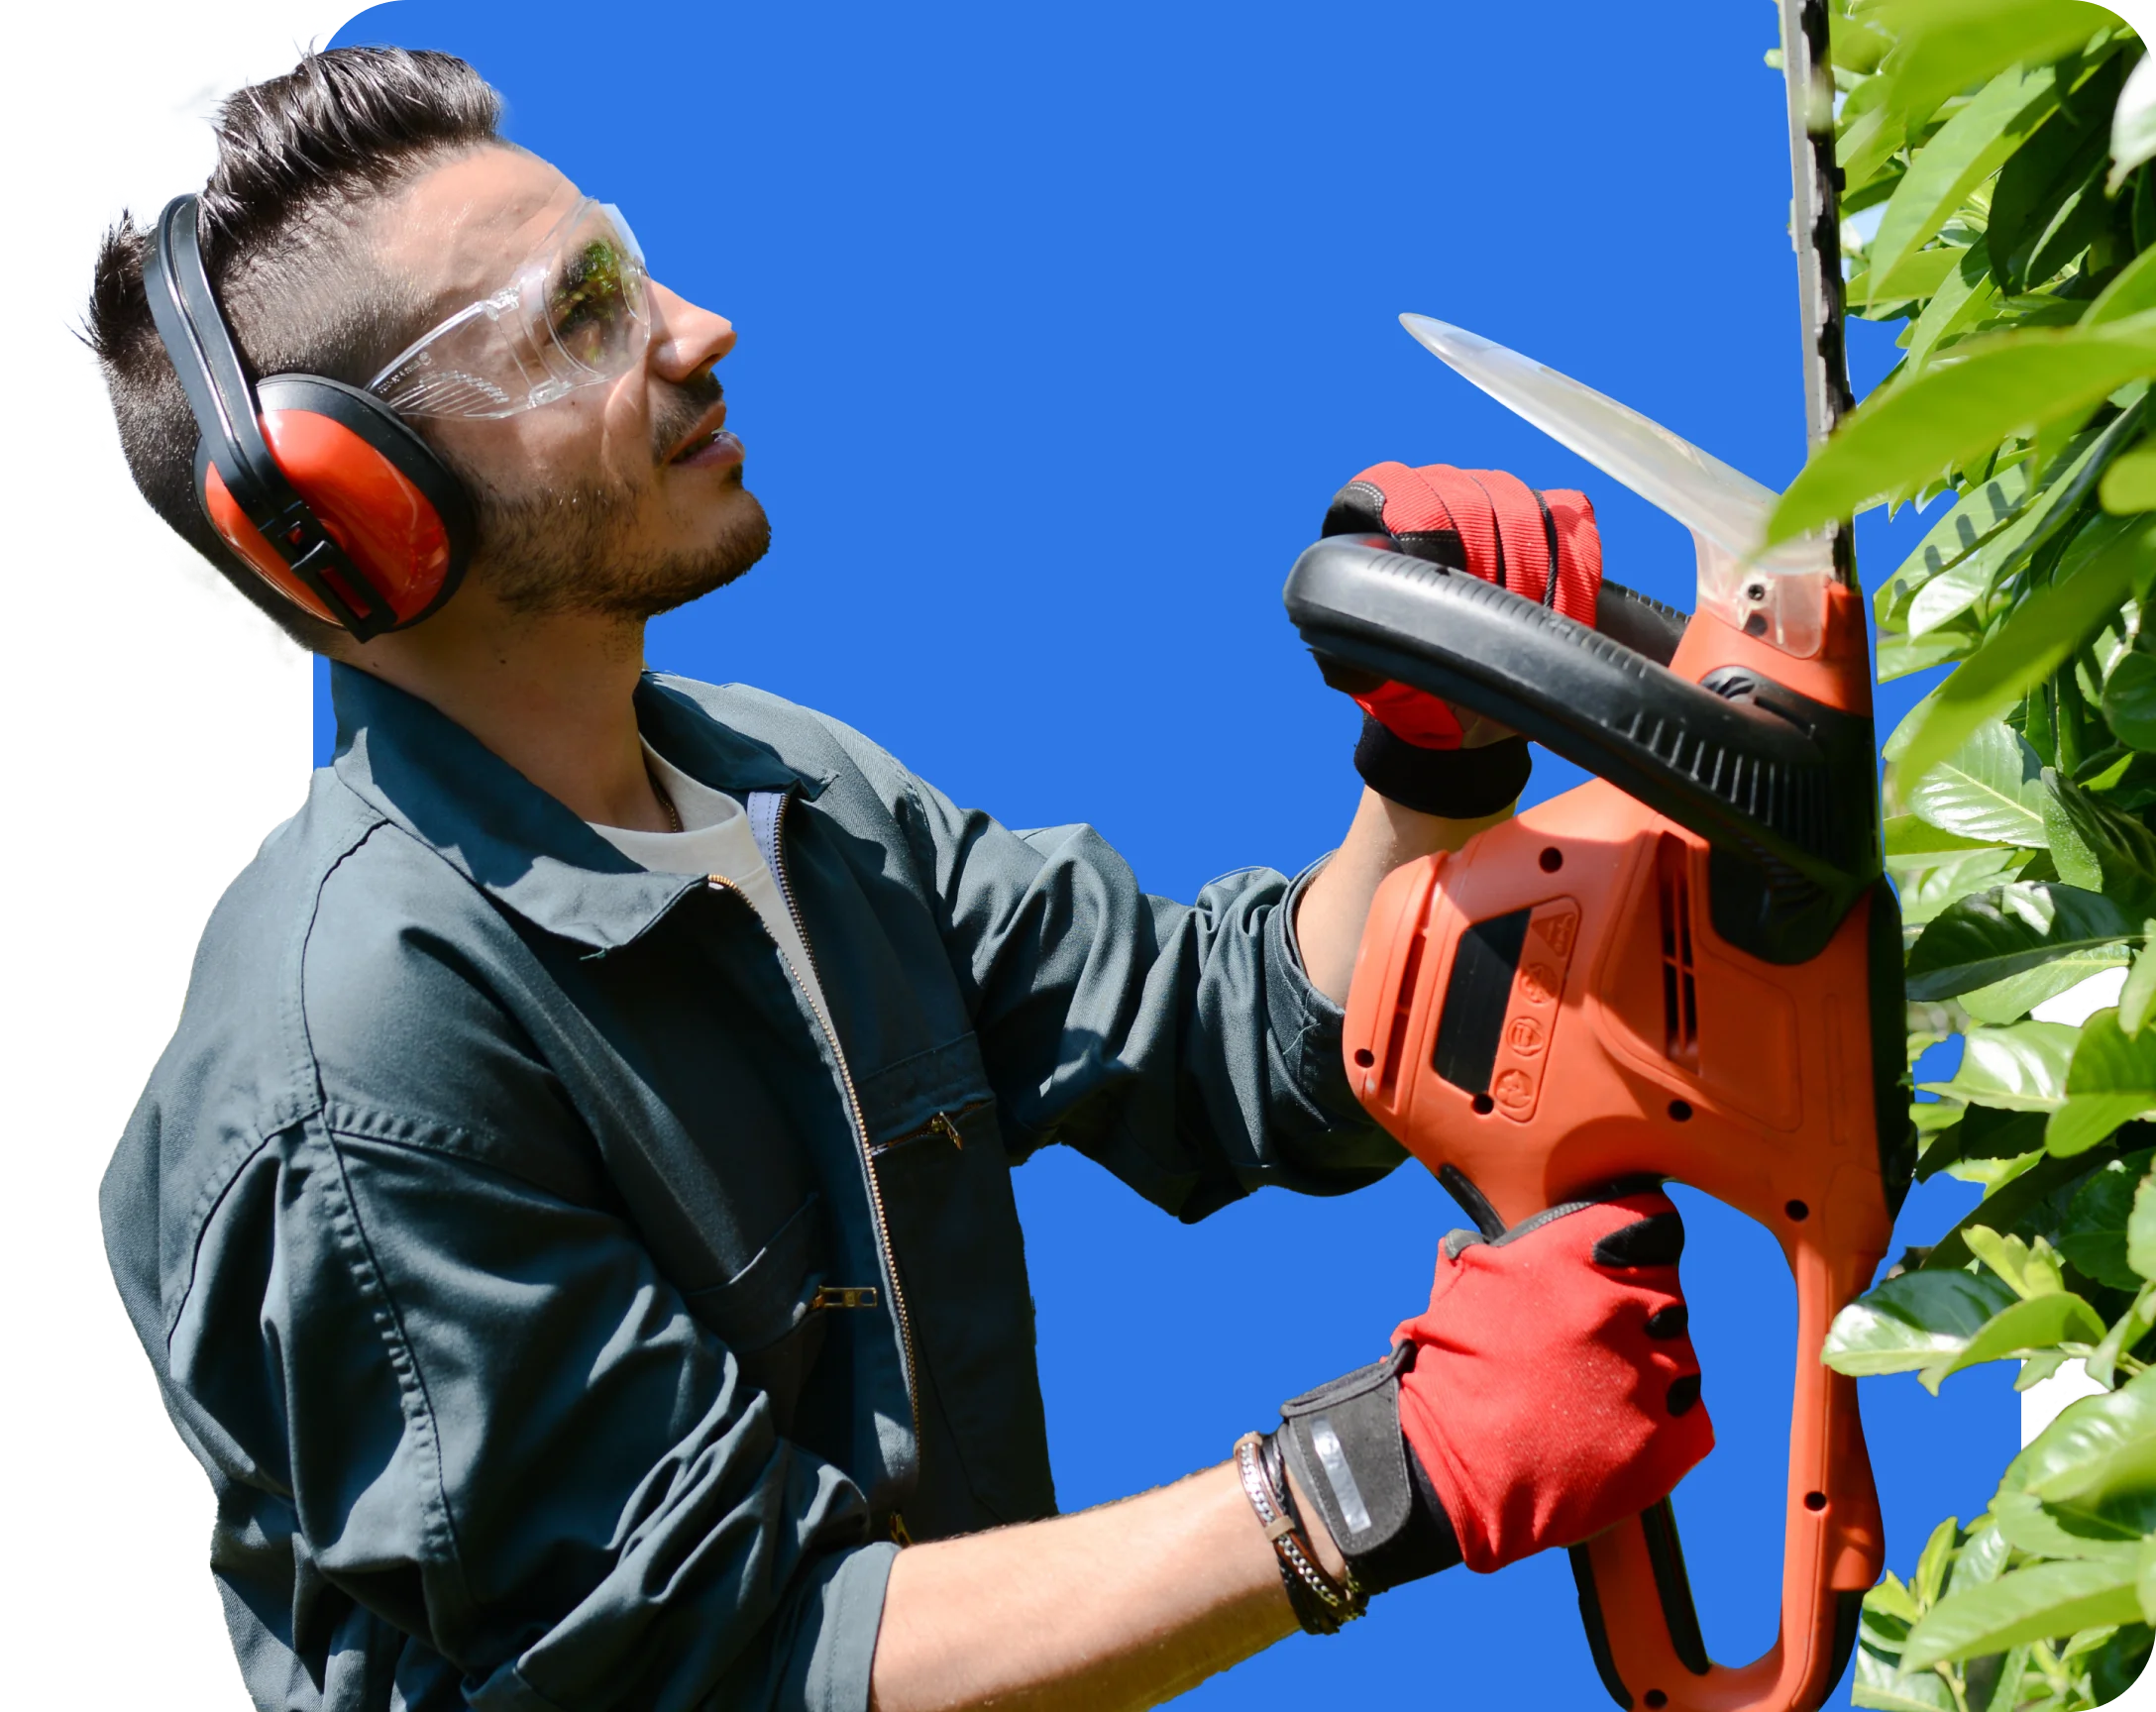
1321 1603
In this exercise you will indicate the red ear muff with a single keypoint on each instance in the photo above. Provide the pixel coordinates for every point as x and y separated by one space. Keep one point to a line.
376 489
316 485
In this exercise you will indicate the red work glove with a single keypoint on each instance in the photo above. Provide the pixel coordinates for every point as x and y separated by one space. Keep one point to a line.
1489 524
1554 1390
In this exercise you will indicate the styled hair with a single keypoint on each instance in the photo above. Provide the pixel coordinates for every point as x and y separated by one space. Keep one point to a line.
303 161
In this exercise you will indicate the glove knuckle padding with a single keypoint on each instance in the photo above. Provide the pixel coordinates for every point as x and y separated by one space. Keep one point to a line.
1656 1241
1554 1390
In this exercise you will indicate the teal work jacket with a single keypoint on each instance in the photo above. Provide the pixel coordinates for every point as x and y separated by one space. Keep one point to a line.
564 1319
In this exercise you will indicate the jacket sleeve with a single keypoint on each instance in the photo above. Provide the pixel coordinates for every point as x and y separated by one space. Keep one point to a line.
509 1436
1180 1045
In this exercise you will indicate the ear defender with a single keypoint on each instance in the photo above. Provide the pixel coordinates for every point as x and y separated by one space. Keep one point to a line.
319 486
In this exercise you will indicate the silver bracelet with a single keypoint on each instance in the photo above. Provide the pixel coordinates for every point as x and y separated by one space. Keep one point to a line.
1300 1569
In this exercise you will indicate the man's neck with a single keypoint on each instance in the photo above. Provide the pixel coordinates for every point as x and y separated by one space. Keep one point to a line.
553 697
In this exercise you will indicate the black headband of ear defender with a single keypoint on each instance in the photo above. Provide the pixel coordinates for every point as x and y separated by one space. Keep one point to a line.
223 402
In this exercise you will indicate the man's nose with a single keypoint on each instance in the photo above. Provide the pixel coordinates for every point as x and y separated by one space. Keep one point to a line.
685 338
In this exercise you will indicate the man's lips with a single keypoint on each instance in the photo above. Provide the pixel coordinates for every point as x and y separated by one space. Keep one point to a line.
708 443
717 449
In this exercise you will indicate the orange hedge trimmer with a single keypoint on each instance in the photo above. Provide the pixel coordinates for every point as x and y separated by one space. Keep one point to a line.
1690 967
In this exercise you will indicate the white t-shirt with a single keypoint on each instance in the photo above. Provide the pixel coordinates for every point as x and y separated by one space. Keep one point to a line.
716 840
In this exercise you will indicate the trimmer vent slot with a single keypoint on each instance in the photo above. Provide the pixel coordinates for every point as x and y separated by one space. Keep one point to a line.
1679 985
1403 1004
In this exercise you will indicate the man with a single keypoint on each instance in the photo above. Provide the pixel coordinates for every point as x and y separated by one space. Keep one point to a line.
571 1223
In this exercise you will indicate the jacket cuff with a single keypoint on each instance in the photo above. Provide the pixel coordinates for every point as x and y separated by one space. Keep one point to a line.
836 1612
1306 1024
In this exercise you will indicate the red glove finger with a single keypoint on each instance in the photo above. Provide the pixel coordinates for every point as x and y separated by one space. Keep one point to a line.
1488 523
1554 1391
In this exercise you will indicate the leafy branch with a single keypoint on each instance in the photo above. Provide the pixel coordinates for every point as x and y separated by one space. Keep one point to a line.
2004 149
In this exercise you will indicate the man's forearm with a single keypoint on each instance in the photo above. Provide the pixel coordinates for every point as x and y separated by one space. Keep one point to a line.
1383 835
1120 1607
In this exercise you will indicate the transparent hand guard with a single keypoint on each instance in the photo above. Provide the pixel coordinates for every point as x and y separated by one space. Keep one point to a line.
1779 596
578 314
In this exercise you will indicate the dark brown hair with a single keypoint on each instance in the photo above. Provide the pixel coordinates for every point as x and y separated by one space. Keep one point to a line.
300 162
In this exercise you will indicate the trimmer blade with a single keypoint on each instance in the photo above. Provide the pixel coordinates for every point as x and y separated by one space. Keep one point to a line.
1695 487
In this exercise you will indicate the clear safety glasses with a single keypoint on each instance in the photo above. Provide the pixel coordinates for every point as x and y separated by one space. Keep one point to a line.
579 313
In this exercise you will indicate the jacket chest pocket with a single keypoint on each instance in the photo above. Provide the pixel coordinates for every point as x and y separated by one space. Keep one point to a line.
961 1260
768 1315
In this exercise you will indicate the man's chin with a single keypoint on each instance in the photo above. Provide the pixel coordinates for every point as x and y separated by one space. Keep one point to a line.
688 574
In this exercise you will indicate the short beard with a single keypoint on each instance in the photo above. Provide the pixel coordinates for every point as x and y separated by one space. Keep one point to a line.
559 554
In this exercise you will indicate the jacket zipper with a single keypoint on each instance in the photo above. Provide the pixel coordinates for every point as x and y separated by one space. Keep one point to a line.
860 1132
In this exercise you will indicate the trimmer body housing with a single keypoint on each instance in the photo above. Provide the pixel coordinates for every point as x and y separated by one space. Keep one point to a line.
1696 976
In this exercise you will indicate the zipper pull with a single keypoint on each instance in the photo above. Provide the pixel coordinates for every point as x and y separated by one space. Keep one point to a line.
944 1127
843 1296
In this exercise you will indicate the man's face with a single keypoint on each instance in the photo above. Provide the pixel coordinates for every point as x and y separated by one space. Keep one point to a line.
615 499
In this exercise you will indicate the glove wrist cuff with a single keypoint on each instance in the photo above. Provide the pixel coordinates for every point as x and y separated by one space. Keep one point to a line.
1343 1444
1458 784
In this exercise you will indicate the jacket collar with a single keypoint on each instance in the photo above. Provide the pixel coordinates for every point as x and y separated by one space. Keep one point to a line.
512 840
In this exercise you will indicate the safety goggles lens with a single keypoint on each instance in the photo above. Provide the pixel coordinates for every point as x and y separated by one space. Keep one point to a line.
578 314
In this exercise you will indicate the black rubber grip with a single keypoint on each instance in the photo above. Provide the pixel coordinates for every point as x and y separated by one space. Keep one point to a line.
1737 772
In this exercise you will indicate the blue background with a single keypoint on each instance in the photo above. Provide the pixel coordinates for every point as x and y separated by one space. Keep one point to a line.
1059 326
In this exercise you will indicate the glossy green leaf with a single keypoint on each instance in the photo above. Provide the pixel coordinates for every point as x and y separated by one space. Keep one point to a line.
2115 1662
2092 845
1880 1685
1990 788
1911 837
1912 1320
2097 1462
1967 149
2028 1525
1981 1559
2012 999
2133 124
2138 996
1956 412
2141 1233
2132 292
2040 636
2129 700
2018 1198
2029 1271
2021 1068
2086 1120
2009 931
2112 1081
1899 655
1991 1133
2093 1234
1920 275
1947 880
2055 505
2032 1604
1947 45
1961 302
2039 1366
1997 1681
2015 1330
2102 1363
2071 230
1972 520
2129 484
2038 190
1929 1580
1893 1598
1950 593
1869 143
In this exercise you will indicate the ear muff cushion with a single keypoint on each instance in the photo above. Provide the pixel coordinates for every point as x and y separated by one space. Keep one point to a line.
376 487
